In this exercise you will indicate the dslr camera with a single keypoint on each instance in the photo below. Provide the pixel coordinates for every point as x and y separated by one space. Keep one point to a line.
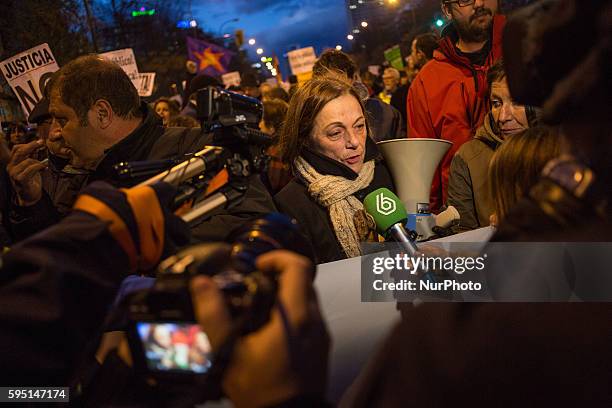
167 344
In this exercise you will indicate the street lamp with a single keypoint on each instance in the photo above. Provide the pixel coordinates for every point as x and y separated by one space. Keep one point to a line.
364 24
259 51
252 41
339 47
231 20
350 37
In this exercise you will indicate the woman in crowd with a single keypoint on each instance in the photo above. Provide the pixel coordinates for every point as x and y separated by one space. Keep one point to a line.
511 176
467 187
166 109
279 172
335 164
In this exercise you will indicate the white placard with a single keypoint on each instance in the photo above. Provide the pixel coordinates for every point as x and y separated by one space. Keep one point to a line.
231 78
126 60
28 72
302 60
147 82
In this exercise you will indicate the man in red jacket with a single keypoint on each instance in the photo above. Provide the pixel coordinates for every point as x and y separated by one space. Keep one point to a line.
447 99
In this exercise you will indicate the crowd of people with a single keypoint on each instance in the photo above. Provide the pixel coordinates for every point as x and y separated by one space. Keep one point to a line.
530 156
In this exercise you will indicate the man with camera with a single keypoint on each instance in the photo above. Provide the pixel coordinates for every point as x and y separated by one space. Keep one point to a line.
98 114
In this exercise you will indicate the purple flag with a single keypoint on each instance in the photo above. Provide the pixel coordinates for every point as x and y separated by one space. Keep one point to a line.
210 59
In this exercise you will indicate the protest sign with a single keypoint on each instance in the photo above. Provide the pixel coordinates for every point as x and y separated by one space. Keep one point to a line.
127 61
301 61
231 78
394 56
28 72
147 81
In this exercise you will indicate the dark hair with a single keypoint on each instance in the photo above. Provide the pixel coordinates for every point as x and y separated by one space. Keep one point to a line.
304 107
334 61
235 88
496 73
511 174
427 43
89 78
196 83
278 93
183 121
274 113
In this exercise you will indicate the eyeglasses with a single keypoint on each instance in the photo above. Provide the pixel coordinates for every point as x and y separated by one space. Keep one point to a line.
461 3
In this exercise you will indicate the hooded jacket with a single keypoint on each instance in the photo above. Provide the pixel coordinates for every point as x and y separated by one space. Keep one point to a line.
468 189
448 100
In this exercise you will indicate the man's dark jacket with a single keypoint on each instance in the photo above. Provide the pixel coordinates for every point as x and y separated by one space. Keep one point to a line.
150 141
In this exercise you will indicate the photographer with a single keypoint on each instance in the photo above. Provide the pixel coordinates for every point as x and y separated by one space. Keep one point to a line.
56 287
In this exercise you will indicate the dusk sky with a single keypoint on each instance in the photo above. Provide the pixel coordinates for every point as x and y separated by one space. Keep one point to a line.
277 25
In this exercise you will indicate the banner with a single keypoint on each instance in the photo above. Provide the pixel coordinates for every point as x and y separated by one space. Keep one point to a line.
301 61
231 78
126 60
147 82
211 59
28 72
394 56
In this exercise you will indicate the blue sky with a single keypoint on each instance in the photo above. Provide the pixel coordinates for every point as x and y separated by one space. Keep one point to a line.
277 25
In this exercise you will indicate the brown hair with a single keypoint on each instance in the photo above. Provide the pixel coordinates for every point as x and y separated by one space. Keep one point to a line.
274 113
334 61
89 78
427 43
496 73
304 107
516 165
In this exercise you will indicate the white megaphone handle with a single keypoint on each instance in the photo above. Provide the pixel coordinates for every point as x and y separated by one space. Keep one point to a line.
447 217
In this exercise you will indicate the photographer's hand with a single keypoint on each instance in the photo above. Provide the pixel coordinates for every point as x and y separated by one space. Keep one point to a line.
284 359
24 172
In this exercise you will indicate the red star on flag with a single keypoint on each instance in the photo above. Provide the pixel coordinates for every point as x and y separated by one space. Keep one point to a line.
209 58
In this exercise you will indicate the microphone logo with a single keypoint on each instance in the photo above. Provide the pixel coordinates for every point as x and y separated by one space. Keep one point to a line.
385 205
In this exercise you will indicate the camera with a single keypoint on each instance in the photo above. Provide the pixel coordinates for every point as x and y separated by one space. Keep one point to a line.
217 108
167 344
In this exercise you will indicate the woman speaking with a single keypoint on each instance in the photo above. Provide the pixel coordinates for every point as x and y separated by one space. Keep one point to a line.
335 163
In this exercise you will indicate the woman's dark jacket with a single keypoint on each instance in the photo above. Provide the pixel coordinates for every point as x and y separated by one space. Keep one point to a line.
313 218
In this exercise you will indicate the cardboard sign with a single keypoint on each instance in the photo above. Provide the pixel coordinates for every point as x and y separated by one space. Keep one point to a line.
147 82
28 72
126 60
374 69
231 78
394 56
302 60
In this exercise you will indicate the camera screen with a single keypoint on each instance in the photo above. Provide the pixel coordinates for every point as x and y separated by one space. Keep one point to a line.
175 347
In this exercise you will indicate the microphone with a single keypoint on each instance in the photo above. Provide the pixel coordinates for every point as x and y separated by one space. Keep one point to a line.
390 215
